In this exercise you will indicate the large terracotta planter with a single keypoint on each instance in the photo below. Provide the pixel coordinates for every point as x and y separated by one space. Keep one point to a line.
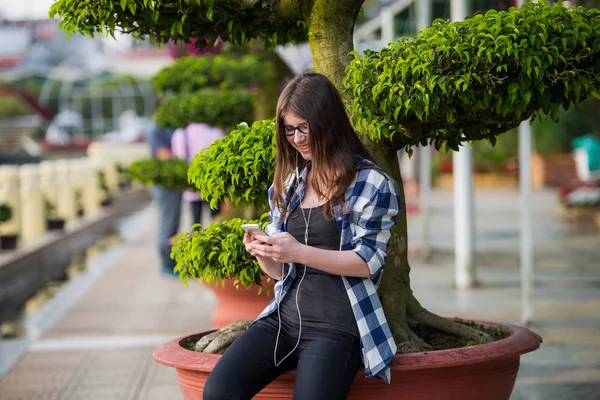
485 371
234 304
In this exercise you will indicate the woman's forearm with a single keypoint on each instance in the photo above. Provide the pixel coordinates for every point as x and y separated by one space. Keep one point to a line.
345 263
282 247
270 267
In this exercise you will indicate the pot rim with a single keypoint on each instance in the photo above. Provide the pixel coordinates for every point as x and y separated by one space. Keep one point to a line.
522 341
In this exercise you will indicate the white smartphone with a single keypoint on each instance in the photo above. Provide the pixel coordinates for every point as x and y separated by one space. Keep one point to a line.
253 230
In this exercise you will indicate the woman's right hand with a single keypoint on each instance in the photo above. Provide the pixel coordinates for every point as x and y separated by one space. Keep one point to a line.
247 239
248 242
267 264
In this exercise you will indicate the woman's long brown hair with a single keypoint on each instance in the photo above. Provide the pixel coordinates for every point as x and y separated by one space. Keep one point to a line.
333 141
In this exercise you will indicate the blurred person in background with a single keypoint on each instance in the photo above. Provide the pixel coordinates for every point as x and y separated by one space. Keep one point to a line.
168 201
185 144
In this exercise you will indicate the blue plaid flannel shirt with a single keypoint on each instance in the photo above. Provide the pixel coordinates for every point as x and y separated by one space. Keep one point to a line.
372 203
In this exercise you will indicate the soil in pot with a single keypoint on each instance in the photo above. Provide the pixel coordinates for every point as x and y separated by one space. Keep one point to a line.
55 224
106 202
8 242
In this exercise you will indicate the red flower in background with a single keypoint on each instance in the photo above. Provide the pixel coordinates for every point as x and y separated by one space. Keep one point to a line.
178 50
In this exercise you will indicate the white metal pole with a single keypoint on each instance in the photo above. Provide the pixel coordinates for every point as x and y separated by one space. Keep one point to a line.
527 273
423 20
387 26
463 196
526 222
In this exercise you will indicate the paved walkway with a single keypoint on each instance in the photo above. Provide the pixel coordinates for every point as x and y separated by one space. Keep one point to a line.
94 337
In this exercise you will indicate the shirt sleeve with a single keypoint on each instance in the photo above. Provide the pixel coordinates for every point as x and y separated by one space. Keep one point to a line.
274 219
375 216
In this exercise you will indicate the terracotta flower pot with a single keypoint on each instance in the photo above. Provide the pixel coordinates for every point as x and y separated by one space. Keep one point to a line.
234 304
486 371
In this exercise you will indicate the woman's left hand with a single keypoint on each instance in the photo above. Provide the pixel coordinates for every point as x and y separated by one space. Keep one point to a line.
281 247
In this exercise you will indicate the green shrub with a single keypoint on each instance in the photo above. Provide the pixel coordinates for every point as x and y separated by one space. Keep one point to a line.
170 174
220 108
190 74
237 167
477 78
216 253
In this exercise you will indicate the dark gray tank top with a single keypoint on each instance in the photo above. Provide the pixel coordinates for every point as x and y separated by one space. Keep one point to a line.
322 296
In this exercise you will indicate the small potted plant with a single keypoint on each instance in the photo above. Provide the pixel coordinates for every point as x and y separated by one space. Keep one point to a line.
79 202
7 242
216 257
53 221
123 176
106 200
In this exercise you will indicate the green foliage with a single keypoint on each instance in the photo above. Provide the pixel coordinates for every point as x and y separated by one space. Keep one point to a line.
122 173
224 109
50 211
479 77
488 157
216 253
237 167
13 106
180 20
79 199
189 74
102 182
5 213
170 174
555 137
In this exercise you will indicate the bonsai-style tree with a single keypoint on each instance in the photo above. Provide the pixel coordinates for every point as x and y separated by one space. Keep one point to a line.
217 89
453 83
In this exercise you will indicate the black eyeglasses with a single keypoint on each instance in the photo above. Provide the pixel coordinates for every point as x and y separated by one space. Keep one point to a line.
290 130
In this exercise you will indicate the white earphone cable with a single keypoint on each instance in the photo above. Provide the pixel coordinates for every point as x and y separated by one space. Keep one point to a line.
306 222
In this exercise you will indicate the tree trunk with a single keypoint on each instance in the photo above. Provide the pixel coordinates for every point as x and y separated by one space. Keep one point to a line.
330 36
330 32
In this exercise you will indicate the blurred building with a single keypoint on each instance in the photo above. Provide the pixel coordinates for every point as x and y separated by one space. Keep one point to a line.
98 81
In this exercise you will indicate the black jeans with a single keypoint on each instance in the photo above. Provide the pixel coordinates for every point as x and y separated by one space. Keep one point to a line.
326 362
196 207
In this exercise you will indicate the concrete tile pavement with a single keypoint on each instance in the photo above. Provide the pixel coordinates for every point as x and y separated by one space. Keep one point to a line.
566 292
101 347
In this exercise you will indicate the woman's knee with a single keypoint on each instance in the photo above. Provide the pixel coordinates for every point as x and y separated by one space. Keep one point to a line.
219 389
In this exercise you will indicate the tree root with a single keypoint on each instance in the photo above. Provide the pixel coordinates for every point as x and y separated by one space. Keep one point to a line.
432 320
219 341
407 340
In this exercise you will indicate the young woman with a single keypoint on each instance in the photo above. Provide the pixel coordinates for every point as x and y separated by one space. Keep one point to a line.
332 210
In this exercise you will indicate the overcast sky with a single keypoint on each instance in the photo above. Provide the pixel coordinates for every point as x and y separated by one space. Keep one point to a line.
25 9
